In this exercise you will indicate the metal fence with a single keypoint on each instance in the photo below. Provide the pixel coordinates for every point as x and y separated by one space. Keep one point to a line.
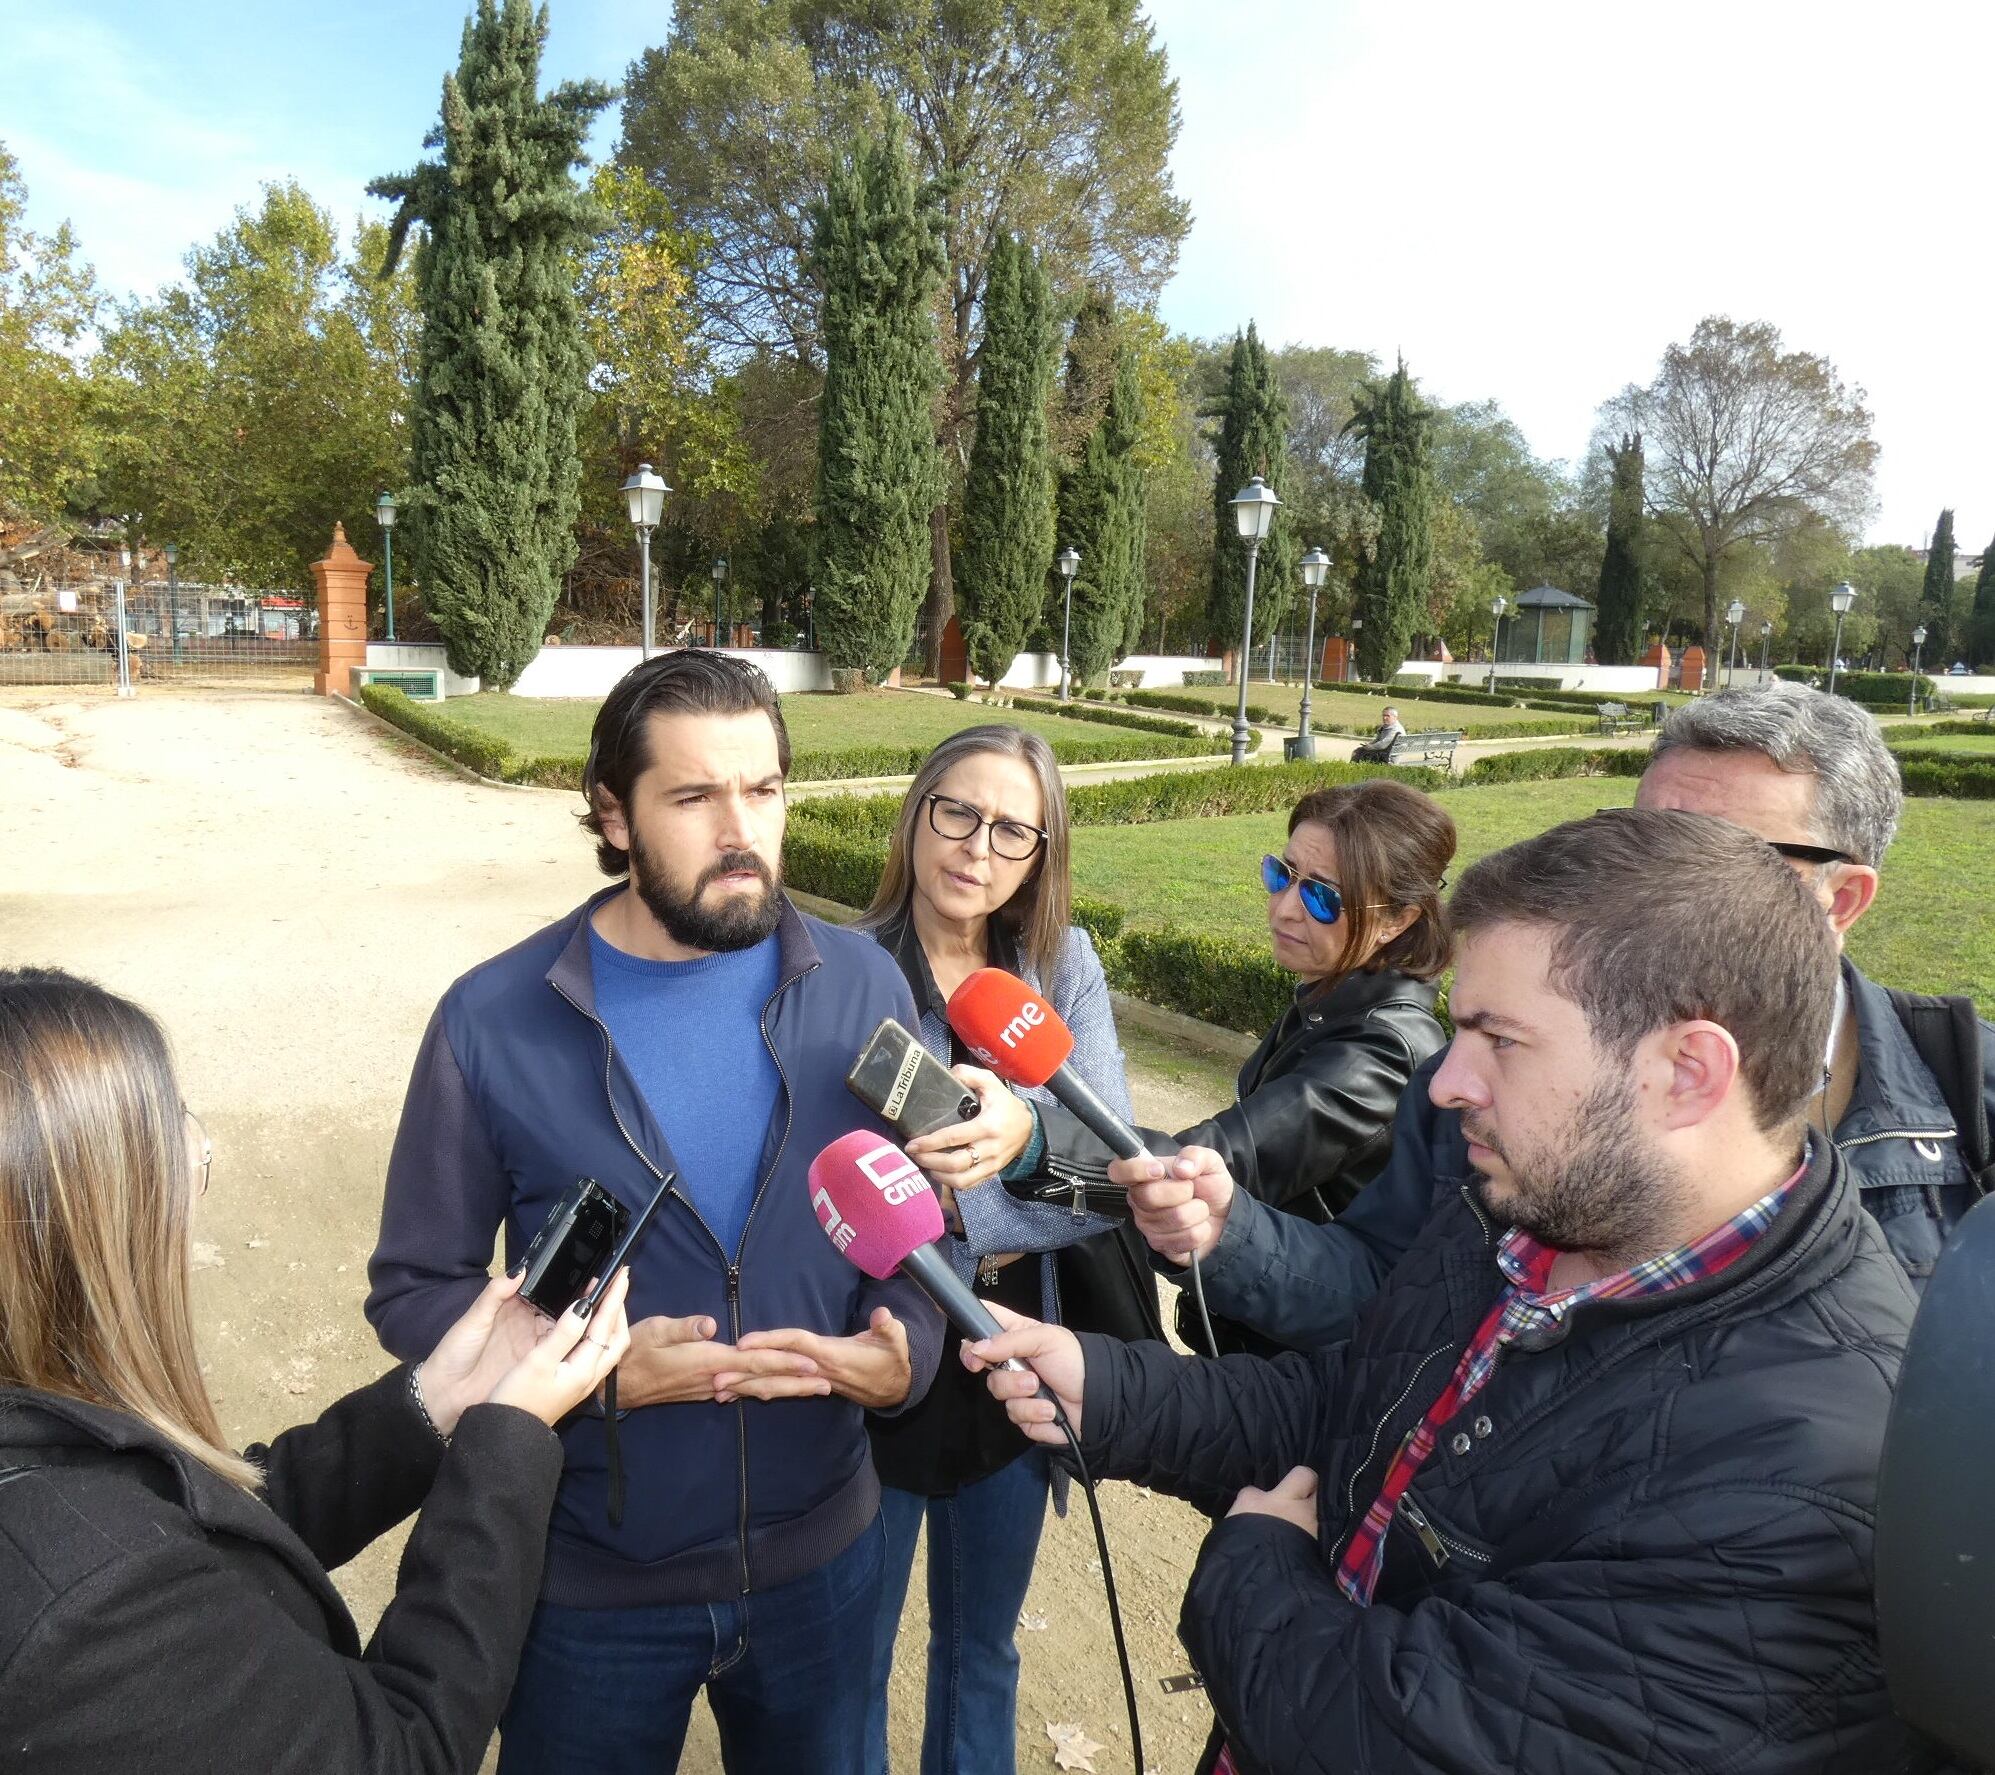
174 632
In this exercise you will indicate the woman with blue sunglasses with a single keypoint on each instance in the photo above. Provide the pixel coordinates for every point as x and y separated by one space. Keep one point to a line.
1355 914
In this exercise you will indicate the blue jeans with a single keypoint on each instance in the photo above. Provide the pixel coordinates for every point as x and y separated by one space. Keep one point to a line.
981 1544
609 1691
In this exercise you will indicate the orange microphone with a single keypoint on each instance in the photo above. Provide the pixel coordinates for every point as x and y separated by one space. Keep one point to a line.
1022 1039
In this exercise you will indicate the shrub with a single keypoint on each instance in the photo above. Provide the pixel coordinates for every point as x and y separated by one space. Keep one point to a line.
1891 689
1557 761
1191 679
1190 795
831 866
1101 919
1223 980
1959 779
1209 707
959 690
1983 728
1116 717
488 756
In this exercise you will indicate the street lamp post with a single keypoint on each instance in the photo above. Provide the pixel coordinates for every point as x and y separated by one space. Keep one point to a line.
1918 642
1735 613
384 515
1253 512
1765 643
644 494
1840 601
118 635
1351 652
723 606
1069 564
173 595
1497 606
1315 570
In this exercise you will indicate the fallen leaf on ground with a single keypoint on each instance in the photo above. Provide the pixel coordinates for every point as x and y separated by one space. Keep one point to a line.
1072 1747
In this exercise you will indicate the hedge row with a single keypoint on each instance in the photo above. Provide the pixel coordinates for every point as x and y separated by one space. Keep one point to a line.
1961 779
1984 728
1094 710
488 756
1203 705
1224 980
1557 761
1893 689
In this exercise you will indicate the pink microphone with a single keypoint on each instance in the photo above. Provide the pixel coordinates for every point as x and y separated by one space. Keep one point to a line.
876 1206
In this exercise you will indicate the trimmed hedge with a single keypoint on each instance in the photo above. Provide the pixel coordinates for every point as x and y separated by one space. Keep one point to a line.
1118 717
1958 779
488 756
1204 705
1983 728
1223 980
1557 761
1892 689
1201 794
1191 679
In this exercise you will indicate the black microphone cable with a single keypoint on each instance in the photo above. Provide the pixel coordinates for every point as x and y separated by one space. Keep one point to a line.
1107 1579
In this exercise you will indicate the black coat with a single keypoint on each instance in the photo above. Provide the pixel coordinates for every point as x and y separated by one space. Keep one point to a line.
154 1616
1647 1547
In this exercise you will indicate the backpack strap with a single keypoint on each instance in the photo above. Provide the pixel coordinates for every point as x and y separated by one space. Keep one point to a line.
1947 1034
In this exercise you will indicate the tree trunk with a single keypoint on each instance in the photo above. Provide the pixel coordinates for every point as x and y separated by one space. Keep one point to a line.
941 586
1710 617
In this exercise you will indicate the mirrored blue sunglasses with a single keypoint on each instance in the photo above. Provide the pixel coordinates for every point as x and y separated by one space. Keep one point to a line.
1320 899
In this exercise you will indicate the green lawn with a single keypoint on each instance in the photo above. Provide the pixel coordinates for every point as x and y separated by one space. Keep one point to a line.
817 723
1930 931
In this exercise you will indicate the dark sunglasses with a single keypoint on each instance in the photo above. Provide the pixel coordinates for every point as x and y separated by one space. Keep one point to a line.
1810 853
1320 899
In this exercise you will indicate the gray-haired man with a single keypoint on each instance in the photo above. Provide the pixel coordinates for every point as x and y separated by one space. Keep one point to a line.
1908 1086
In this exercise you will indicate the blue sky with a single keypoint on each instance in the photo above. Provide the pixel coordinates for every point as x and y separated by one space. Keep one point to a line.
1529 198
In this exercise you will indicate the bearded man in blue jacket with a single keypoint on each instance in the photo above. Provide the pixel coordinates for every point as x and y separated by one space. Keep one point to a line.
687 1020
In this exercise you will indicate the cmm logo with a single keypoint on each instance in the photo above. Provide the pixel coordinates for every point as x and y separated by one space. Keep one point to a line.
890 1171
837 1228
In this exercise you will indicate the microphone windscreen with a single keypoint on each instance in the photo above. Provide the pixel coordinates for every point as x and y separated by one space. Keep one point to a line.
873 1202
1009 1027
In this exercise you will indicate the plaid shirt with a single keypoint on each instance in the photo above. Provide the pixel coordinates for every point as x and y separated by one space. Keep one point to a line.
1525 1307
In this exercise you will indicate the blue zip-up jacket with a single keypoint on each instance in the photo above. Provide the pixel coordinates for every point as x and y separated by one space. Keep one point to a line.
518 1091
1302 1284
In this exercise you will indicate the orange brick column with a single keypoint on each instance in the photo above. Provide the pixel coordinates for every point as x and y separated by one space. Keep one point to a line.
342 582
1658 656
1693 668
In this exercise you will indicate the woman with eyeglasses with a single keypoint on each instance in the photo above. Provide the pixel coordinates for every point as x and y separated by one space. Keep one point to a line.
164 1602
976 876
1355 914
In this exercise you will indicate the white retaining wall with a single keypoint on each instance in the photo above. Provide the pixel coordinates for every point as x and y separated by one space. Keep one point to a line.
1601 678
591 671
419 656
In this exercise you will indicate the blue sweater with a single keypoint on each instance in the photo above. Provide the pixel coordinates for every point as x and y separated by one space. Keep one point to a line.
691 1034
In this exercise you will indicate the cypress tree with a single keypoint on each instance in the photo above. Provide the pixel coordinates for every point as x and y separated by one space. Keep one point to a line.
1981 622
1008 495
1253 440
1102 516
876 258
503 371
1617 634
1937 599
1392 581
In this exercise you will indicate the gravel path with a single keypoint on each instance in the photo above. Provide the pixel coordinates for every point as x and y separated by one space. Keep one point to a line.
291 891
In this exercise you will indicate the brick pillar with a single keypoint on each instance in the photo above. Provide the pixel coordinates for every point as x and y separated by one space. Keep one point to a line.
1336 650
1658 656
1693 668
342 582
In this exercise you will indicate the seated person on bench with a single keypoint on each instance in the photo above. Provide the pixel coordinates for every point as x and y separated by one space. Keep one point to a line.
1379 746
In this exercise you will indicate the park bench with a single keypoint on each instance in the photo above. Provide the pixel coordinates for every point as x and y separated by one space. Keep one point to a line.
1414 748
1619 718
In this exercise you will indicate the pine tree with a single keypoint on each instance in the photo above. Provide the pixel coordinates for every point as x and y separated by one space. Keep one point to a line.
504 362
876 259
1253 440
1101 515
1392 581
1007 548
1981 622
1617 634
1936 601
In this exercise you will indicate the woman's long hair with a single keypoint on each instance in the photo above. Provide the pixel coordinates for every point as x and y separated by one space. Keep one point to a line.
97 1197
1038 914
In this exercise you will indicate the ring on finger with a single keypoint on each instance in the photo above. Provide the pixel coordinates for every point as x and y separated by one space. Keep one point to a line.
975 1161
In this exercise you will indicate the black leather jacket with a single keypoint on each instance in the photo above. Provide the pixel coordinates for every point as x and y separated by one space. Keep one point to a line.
1313 1122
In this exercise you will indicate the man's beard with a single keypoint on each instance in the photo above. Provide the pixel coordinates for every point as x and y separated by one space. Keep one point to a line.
1591 1186
736 921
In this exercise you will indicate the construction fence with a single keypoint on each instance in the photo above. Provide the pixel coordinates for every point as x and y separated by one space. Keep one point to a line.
68 632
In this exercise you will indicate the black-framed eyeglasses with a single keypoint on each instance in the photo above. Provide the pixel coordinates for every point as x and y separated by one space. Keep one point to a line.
1809 853
1012 840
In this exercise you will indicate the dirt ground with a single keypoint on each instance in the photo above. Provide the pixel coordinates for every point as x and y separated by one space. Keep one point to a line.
291 891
